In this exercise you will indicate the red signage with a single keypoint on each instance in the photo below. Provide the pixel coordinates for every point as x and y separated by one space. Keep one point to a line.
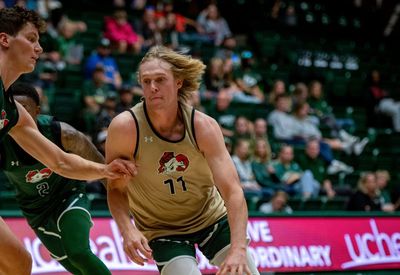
280 244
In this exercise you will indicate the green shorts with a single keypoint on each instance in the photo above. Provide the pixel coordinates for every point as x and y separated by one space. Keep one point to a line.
209 241
49 232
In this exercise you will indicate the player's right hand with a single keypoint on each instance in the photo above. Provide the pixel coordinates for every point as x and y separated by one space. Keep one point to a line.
136 246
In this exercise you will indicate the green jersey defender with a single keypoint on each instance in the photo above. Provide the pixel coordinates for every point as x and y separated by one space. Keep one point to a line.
55 207
39 190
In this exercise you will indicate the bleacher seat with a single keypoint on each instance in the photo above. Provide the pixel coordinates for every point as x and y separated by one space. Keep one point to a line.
334 204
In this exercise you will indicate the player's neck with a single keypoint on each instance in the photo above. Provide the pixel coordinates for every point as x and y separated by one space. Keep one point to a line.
7 73
168 122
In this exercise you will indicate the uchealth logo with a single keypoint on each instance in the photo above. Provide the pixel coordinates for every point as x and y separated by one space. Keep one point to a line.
35 176
371 248
3 121
170 163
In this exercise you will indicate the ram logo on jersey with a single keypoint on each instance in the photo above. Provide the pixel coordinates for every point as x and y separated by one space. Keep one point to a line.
170 163
35 176
3 121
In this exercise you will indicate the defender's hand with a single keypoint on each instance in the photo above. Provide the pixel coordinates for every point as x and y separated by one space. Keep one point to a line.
120 168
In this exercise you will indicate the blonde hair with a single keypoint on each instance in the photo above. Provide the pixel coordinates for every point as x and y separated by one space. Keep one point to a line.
183 67
383 173
268 152
363 179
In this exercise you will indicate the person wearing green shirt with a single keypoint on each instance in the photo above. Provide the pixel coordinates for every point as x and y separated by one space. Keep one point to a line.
321 109
260 164
94 92
295 180
56 208
19 51
312 161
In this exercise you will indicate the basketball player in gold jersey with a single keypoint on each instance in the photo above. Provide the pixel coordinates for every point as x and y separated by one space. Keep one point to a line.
187 190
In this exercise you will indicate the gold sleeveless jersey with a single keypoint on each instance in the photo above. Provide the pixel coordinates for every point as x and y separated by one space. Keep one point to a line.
174 191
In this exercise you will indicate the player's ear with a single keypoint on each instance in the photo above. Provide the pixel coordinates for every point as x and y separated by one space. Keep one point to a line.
38 110
179 83
4 39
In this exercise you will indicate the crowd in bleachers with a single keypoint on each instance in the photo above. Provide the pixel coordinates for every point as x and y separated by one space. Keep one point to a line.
287 141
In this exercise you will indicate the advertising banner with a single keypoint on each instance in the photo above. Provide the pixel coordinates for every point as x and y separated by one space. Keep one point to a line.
280 244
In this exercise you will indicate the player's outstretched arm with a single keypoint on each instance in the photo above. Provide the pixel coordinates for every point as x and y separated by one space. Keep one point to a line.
121 143
78 143
211 143
27 135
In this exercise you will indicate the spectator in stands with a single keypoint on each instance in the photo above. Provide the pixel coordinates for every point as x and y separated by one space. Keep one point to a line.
102 57
378 100
166 24
214 26
220 111
219 77
300 93
51 48
324 113
125 101
121 33
247 79
175 25
46 8
260 131
305 130
277 204
215 78
70 48
95 91
107 112
313 162
147 28
280 120
295 181
243 128
285 129
382 180
278 88
231 56
261 165
48 67
54 14
241 159
221 73
366 198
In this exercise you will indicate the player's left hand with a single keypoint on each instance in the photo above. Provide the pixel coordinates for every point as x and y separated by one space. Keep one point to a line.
235 263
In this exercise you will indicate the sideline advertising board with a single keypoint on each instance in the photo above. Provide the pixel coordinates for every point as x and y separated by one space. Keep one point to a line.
279 244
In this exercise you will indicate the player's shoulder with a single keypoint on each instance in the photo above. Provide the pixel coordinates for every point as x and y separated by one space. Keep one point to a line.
201 120
124 119
205 128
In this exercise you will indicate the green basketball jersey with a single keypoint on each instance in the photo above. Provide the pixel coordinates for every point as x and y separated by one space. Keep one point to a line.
174 191
39 189
8 112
